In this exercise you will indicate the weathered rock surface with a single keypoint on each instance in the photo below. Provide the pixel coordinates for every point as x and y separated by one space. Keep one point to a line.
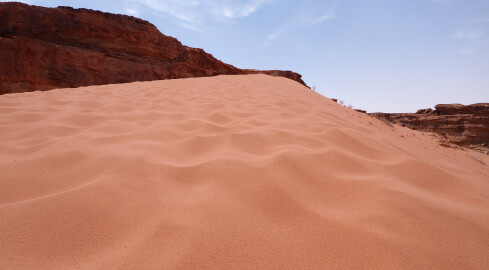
459 124
44 48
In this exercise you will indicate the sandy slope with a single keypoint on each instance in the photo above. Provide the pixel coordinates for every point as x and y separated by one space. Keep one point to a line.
229 172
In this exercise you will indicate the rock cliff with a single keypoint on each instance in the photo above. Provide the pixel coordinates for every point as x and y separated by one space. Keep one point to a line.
459 124
45 48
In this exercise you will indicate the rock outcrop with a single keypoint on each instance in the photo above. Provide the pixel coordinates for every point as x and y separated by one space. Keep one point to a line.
459 124
45 48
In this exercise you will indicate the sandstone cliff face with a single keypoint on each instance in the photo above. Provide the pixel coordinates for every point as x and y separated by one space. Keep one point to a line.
45 48
462 125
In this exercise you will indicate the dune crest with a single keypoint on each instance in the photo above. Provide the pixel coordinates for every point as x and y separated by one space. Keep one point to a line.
229 172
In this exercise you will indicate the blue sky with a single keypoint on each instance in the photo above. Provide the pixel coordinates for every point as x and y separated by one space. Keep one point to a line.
378 55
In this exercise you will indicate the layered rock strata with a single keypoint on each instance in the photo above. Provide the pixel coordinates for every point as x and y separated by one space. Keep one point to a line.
45 48
459 124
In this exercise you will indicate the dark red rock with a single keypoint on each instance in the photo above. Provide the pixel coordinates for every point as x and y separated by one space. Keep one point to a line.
448 109
459 124
421 111
280 73
475 109
45 48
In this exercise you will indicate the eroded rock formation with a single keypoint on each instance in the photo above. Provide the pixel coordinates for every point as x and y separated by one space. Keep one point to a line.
459 124
44 48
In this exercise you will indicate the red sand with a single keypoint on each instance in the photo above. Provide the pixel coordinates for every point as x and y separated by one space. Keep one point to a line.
229 172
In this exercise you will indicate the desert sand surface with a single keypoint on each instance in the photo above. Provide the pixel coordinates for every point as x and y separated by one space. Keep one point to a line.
229 172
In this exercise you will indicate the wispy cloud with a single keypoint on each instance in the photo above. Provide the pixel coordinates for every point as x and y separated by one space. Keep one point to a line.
184 11
131 11
300 21
483 20
234 10
192 14
22 1
467 51
473 35
469 34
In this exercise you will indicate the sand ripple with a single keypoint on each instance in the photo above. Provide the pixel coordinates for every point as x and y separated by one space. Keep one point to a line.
229 172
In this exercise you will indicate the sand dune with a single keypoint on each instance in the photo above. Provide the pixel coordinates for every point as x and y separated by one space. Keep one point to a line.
229 172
